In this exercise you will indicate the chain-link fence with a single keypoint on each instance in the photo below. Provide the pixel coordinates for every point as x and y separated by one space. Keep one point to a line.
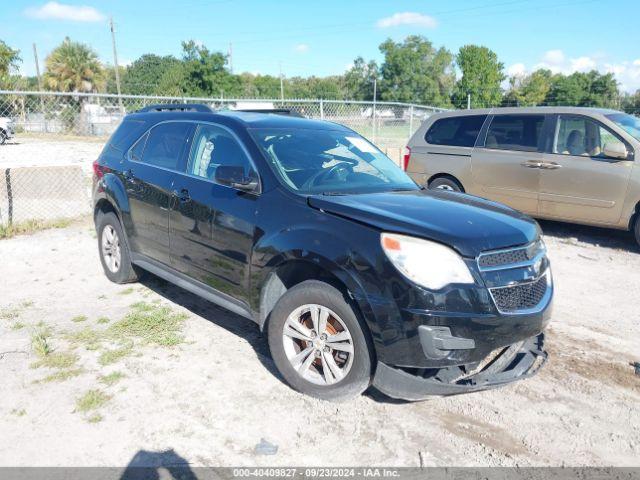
50 193
387 124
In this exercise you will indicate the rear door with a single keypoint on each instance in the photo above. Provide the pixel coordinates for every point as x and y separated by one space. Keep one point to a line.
148 178
212 225
577 180
505 165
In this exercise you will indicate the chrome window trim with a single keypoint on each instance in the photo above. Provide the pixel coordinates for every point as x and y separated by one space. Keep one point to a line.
258 191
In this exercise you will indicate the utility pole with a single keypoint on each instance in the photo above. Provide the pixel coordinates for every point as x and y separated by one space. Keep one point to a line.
373 112
115 63
281 84
468 101
35 56
230 57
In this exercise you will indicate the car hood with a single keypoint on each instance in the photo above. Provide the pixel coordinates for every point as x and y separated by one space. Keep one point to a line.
466 223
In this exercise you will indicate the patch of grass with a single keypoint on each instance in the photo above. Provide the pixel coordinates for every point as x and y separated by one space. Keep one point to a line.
87 336
27 304
103 320
152 323
126 291
40 343
102 297
91 400
79 318
19 412
59 360
31 226
17 326
61 376
112 356
112 378
95 418
9 313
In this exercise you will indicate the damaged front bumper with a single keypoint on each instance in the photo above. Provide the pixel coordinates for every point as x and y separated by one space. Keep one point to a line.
508 364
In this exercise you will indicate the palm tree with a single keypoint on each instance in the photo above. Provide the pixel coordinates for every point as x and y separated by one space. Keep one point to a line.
74 67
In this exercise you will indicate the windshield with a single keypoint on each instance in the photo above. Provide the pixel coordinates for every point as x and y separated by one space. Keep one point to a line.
329 161
628 123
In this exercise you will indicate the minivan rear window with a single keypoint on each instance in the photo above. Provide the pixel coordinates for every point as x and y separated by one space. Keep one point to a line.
515 132
459 131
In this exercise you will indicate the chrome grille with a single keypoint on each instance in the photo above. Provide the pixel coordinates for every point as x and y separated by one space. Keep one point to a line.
524 296
511 257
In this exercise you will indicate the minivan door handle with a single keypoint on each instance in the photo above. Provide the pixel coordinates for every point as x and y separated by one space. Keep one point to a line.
550 166
182 195
531 164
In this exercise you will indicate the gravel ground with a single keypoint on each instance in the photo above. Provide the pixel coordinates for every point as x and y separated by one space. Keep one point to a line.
111 387
212 397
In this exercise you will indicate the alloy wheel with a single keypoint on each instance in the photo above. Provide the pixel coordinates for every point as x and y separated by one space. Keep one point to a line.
318 344
111 248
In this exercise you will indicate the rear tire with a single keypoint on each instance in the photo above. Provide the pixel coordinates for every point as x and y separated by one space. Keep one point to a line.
636 229
337 371
445 183
113 249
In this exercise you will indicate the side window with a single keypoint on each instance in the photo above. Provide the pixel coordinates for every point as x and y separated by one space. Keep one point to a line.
515 132
136 151
459 131
582 137
212 147
165 143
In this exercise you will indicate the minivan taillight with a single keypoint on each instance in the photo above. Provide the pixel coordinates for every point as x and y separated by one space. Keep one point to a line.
405 158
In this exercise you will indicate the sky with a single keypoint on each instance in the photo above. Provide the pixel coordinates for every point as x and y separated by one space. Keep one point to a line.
323 37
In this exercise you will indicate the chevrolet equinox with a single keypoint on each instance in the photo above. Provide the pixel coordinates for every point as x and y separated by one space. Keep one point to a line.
357 276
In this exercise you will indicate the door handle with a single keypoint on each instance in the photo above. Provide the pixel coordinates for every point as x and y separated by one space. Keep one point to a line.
182 195
531 164
550 166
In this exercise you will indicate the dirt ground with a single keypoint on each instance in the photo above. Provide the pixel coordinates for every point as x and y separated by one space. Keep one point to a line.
94 373
206 393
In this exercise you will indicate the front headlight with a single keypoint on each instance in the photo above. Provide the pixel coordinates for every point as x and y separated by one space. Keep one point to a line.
426 263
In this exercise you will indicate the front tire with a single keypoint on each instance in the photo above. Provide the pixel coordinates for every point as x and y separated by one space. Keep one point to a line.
113 250
318 344
445 183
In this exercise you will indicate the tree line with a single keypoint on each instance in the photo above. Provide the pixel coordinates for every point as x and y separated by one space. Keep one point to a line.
412 71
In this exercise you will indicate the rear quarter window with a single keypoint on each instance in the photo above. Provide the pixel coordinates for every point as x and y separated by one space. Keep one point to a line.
127 133
459 131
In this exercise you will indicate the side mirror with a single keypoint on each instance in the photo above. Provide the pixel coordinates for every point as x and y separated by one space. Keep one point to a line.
615 150
233 176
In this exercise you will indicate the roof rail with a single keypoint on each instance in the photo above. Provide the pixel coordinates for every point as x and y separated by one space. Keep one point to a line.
182 107
277 111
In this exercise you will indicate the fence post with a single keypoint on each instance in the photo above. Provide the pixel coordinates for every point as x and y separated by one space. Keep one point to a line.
410 121
321 109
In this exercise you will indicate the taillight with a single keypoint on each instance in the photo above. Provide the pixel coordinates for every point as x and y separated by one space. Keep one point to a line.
405 158
98 172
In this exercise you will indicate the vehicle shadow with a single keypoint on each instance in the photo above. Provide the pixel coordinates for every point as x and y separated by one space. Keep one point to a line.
231 322
593 236
149 465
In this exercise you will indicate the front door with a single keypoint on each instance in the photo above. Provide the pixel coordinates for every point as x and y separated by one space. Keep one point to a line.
505 167
148 179
577 180
211 225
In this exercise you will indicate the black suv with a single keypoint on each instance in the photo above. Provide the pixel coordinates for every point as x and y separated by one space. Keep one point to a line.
357 275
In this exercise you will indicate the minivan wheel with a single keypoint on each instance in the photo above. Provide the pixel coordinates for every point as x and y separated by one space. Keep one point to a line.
113 249
444 183
636 230
318 344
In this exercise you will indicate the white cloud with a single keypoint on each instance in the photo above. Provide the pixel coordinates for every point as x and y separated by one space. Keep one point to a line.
408 18
626 72
61 11
301 48
516 70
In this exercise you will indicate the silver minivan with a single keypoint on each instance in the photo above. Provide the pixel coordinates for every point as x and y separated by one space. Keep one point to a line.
561 163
